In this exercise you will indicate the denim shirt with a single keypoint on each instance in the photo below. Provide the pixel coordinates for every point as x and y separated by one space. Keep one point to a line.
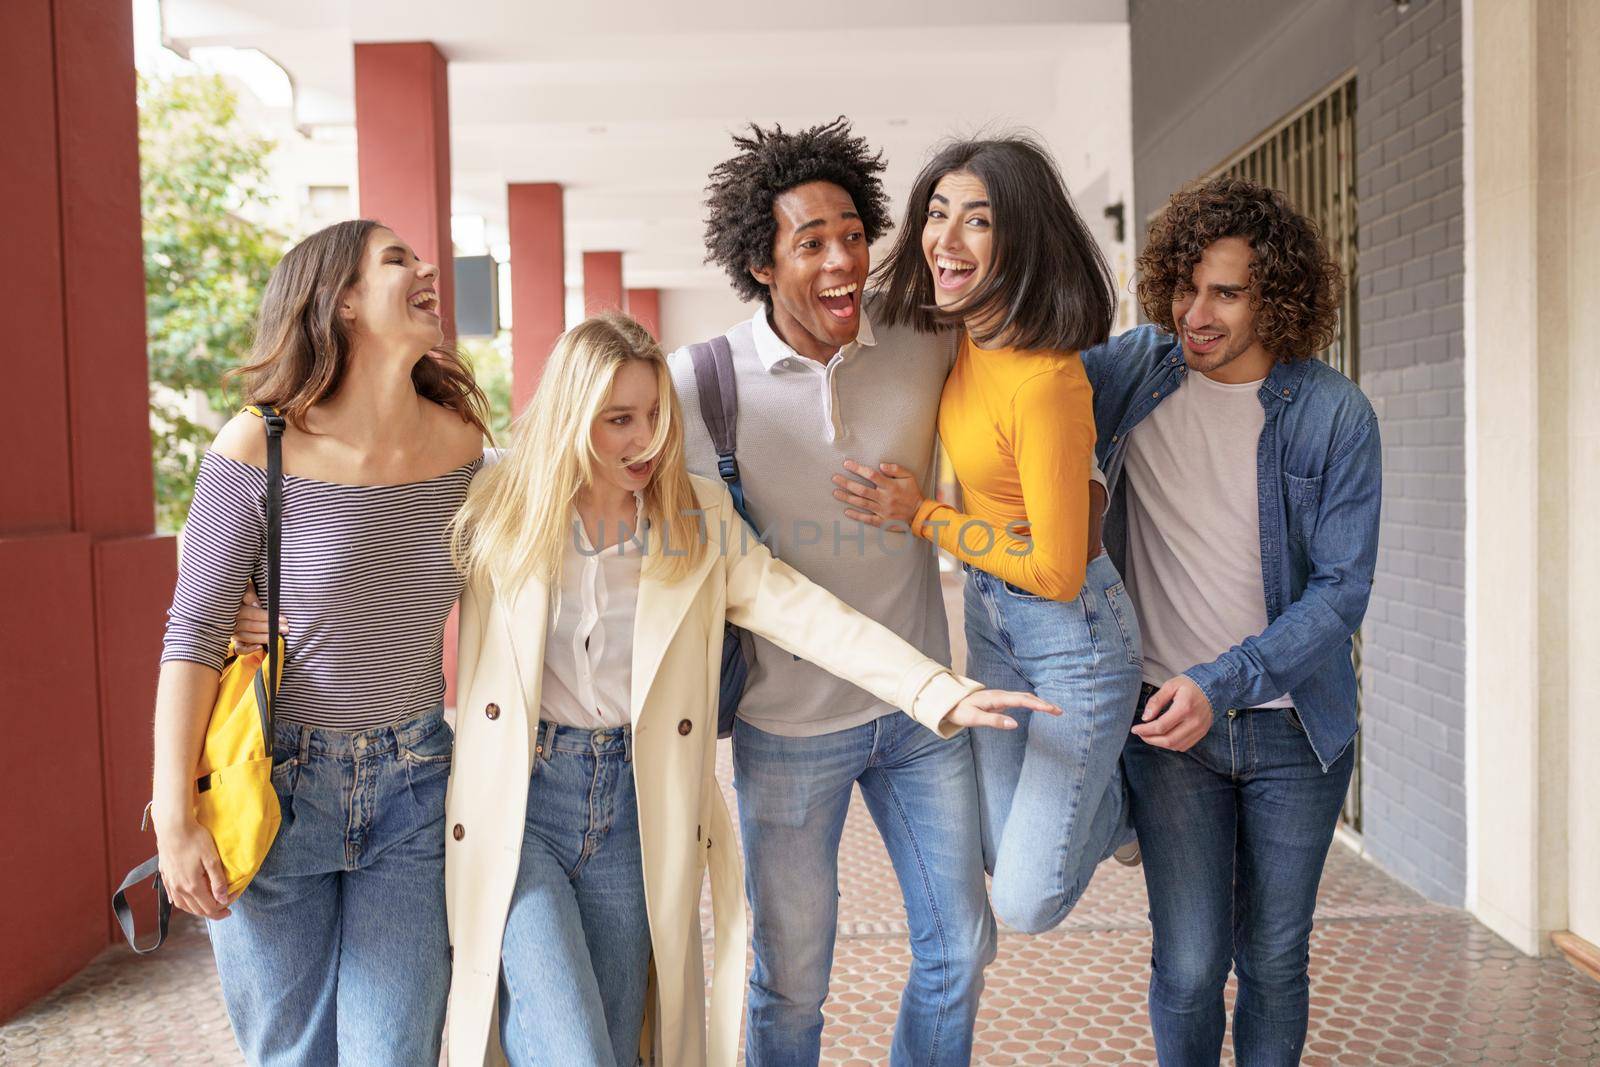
1319 479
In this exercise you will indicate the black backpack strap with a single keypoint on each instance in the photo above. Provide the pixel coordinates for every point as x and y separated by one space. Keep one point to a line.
274 424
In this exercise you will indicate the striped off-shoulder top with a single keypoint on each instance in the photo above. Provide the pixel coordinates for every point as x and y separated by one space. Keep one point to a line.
367 587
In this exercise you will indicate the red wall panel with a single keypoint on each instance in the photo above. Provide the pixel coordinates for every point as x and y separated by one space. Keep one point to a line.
38 493
133 581
53 902
108 373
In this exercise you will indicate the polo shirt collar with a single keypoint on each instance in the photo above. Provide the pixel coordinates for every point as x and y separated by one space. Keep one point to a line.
773 350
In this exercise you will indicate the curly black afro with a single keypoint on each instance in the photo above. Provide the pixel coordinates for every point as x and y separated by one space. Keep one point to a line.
740 225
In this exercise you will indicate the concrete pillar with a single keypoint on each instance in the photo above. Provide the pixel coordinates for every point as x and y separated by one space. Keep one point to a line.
1533 401
602 282
645 305
538 281
86 582
403 151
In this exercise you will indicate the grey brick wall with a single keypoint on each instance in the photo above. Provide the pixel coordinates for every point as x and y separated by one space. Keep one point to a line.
1412 273
1410 289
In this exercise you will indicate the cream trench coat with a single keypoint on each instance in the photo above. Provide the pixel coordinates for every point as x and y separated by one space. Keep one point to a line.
684 827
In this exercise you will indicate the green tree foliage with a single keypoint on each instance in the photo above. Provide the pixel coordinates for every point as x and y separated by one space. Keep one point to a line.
490 361
205 264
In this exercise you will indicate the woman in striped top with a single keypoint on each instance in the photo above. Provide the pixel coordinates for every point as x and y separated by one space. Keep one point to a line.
992 243
385 432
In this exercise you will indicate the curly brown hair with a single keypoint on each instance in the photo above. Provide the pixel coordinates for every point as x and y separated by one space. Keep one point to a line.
1296 288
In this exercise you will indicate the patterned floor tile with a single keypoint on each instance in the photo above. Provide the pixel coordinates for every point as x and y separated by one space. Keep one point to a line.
1395 980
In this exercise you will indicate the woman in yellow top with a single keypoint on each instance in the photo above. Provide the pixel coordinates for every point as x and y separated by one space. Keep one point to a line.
991 242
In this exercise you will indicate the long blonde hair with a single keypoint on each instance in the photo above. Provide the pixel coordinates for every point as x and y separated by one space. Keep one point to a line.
517 518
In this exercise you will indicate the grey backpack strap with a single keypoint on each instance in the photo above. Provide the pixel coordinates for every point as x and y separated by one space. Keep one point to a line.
719 407
719 396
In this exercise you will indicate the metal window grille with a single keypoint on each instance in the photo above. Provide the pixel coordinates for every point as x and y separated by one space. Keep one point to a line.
1310 157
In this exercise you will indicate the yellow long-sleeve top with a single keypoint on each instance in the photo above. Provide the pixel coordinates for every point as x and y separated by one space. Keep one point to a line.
1019 430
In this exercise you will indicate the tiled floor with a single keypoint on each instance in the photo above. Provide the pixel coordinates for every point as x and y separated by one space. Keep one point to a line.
1395 980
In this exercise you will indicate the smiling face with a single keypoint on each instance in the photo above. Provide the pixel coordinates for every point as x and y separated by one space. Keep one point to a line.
1215 315
958 237
396 296
626 426
819 266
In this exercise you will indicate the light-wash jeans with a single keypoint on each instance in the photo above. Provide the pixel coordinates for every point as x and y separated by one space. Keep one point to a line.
793 796
576 951
1052 795
1234 832
354 881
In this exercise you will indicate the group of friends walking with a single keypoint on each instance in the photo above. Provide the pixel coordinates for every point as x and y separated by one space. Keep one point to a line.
1168 539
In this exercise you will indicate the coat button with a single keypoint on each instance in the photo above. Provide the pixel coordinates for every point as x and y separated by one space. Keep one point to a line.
459 832
493 711
684 727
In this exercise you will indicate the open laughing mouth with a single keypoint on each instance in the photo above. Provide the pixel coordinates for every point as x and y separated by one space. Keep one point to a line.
953 273
426 300
840 300
1201 342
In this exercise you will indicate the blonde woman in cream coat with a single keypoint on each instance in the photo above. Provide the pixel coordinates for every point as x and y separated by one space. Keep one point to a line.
583 810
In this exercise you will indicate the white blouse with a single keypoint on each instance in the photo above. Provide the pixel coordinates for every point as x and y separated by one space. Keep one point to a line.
588 659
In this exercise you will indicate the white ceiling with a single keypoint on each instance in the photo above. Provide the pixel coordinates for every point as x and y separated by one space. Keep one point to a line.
629 104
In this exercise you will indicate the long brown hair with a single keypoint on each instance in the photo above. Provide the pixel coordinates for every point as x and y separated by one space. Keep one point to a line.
302 347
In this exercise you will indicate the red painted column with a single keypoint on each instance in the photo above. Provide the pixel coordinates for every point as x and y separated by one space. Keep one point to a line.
538 281
86 582
602 282
403 159
403 151
645 306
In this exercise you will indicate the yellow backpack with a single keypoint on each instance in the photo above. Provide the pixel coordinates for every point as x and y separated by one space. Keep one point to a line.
234 798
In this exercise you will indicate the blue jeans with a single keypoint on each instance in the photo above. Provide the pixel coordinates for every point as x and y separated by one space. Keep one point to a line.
1053 803
576 950
308 957
1234 832
793 796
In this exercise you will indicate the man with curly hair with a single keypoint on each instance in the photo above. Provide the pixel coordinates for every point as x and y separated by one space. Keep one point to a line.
790 217
1245 482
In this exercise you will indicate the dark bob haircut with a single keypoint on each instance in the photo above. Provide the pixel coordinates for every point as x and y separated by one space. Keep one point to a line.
740 225
1048 285
1296 288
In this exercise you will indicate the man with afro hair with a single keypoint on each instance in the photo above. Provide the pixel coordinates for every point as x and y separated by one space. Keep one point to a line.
790 217
1245 481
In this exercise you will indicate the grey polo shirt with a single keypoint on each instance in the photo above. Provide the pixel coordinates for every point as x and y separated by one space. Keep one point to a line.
876 401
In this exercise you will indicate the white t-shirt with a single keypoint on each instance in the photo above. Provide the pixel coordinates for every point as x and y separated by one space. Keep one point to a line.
1194 542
